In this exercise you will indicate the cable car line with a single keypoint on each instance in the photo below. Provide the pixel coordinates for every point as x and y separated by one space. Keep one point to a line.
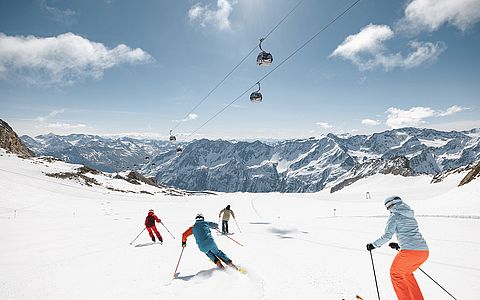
236 66
279 65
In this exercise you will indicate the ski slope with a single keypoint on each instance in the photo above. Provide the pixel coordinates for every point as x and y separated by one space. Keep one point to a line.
63 240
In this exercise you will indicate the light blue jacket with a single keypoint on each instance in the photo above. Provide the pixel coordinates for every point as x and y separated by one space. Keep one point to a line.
403 224
203 236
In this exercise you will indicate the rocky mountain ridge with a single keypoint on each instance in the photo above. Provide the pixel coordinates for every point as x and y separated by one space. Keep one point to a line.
10 141
301 165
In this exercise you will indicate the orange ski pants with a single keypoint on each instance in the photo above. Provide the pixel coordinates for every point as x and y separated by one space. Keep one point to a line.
401 273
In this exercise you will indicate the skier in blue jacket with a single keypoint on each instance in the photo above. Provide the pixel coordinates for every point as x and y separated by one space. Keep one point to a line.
414 248
205 241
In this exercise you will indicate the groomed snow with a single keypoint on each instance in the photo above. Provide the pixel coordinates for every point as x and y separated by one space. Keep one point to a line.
63 240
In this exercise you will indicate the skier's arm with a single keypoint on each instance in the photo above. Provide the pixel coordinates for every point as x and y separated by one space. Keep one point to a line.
186 234
233 215
389 231
212 225
146 222
220 213
157 219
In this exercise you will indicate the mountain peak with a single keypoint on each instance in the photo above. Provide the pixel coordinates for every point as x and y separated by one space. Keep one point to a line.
10 141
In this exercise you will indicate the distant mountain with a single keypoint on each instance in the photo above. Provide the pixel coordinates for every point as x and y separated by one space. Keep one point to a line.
10 141
302 165
102 153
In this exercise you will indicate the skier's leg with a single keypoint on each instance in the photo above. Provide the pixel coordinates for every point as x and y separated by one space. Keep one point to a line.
157 233
218 253
214 259
226 226
397 275
416 258
151 233
224 230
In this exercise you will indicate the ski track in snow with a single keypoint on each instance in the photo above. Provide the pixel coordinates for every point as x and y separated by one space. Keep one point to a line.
68 241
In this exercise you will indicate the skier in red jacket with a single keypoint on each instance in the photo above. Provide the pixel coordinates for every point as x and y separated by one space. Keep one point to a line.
150 224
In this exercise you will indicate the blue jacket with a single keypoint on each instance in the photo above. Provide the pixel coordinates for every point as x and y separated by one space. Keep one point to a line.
403 224
202 234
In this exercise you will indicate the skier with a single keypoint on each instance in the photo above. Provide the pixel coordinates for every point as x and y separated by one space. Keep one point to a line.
150 224
226 217
205 242
414 248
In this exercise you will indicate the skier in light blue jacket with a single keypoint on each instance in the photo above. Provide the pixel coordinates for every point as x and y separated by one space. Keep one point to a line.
414 248
205 241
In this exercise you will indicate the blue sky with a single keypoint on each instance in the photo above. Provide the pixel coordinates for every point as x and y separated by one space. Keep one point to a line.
139 67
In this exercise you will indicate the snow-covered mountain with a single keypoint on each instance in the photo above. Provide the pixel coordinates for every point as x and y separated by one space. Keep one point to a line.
102 153
302 165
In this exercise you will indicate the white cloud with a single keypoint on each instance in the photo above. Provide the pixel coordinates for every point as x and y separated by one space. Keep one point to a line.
204 16
452 110
65 126
190 117
370 122
429 15
62 59
64 16
324 125
413 117
50 115
416 116
367 51
369 40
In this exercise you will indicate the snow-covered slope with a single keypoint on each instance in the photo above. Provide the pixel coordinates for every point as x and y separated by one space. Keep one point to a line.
61 239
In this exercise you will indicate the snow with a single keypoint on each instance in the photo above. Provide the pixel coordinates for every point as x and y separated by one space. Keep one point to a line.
63 240
434 143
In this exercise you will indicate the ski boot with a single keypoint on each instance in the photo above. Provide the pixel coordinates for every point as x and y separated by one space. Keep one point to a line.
219 264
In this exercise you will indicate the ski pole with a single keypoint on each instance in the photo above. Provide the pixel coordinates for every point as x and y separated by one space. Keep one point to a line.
396 247
374 275
230 238
437 283
178 263
138 236
167 229
237 225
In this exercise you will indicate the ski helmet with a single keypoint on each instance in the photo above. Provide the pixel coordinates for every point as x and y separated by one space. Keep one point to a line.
391 201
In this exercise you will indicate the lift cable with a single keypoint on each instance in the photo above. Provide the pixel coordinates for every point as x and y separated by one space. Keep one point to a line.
241 62
278 66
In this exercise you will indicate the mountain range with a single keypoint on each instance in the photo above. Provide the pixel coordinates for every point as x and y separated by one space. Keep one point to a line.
301 165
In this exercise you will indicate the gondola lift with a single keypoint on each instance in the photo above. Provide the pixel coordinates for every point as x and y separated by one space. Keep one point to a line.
172 137
264 58
179 150
256 97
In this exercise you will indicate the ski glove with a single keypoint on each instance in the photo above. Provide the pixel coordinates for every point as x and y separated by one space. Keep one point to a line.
394 246
370 247
184 244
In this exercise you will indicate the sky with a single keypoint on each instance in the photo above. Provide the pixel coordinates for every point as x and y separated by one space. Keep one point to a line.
143 68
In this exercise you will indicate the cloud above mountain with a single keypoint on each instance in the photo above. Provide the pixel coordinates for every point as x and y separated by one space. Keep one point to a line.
367 50
417 116
219 17
429 15
61 60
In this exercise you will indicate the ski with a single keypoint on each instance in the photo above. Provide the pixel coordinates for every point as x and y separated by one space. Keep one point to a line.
357 297
148 244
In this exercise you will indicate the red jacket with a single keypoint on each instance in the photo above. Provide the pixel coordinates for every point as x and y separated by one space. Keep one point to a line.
150 220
